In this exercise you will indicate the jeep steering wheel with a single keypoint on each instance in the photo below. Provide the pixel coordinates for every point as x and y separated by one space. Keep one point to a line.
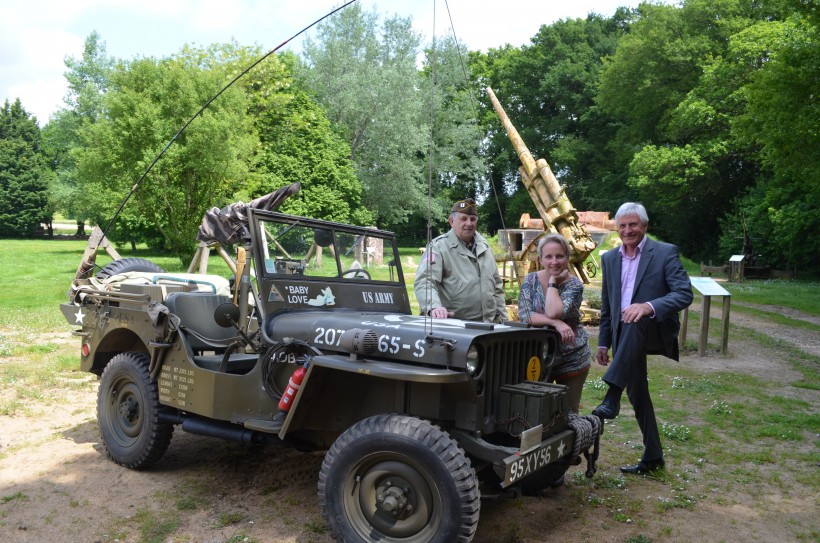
355 272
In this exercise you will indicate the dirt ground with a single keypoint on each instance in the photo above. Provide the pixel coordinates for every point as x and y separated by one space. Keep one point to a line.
57 485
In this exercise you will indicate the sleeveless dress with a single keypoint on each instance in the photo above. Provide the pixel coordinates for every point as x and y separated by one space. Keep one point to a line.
577 356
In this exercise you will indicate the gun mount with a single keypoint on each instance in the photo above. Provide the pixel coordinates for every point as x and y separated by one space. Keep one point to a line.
550 200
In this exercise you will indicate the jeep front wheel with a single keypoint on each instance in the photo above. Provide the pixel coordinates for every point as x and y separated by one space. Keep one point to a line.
394 478
128 412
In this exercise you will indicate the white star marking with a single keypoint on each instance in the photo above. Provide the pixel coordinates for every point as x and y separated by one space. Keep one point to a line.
561 450
80 316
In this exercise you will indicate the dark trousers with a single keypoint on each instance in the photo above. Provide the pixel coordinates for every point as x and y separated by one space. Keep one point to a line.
628 371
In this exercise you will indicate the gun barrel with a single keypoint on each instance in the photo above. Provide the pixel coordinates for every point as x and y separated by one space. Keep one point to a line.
547 194
524 155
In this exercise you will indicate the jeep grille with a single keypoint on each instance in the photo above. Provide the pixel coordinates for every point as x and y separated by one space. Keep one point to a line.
506 364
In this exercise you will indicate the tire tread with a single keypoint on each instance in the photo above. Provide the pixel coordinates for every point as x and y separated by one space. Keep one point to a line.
431 436
128 264
160 433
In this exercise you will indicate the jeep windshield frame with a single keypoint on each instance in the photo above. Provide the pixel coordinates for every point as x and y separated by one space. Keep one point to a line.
311 263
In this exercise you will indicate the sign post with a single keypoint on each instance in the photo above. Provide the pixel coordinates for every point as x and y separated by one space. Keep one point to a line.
708 287
737 268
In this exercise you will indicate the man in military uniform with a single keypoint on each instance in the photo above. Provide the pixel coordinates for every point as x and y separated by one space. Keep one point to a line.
458 276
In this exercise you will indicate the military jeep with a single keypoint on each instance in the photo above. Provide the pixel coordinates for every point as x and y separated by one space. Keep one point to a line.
419 417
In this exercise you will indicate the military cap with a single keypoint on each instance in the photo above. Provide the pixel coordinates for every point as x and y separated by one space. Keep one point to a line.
466 206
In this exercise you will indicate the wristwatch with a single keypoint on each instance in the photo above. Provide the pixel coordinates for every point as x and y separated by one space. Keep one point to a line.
553 285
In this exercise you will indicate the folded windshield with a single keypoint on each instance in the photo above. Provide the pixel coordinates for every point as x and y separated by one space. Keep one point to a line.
294 247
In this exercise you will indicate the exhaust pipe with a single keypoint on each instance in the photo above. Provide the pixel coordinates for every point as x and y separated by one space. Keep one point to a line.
221 430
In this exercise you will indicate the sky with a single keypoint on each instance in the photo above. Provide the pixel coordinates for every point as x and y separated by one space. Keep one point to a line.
36 36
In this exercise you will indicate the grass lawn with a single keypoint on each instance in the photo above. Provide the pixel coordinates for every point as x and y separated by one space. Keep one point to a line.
38 273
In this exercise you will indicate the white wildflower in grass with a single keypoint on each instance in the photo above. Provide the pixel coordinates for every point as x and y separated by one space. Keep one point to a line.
5 346
678 432
596 384
679 382
719 407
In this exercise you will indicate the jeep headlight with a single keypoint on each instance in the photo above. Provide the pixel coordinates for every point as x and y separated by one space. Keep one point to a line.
472 361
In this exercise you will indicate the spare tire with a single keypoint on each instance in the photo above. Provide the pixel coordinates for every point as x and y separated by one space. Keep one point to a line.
124 265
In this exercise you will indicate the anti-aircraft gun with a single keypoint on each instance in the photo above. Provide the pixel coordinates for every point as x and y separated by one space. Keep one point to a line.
552 203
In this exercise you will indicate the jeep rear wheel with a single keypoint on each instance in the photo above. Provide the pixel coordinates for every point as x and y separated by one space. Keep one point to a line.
393 478
128 413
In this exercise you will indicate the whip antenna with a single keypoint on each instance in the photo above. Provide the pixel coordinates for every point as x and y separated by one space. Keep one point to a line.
429 241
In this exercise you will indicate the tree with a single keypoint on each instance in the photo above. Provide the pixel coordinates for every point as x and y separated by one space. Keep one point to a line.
147 102
676 83
262 133
24 173
297 143
661 59
504 184
780 120
454 166
369 86
694 176
87 84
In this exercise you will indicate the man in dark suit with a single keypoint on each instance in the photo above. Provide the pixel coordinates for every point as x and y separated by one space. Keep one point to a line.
644 287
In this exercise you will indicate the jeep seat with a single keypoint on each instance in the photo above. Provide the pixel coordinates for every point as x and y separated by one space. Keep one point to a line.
200 334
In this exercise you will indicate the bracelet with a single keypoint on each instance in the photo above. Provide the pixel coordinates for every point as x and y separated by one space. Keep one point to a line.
553 285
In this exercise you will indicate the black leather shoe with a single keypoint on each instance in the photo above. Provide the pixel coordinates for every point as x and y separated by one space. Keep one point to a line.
644 467
609 408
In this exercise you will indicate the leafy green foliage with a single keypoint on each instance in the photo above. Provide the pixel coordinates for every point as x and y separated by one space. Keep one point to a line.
701 92
298 143
148 102
704 111
366 79
24 173
781 121
669 81
88 80
258 136
655 104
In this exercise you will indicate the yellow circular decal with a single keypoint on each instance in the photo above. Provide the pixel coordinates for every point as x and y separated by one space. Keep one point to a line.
534 369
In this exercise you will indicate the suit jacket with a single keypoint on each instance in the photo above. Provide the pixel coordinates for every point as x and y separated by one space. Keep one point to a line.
661 280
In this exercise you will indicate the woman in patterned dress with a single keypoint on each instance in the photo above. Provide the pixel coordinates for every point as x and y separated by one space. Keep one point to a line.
552 297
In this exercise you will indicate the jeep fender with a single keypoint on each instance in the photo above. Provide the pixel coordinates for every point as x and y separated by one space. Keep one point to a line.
366 387
115 341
